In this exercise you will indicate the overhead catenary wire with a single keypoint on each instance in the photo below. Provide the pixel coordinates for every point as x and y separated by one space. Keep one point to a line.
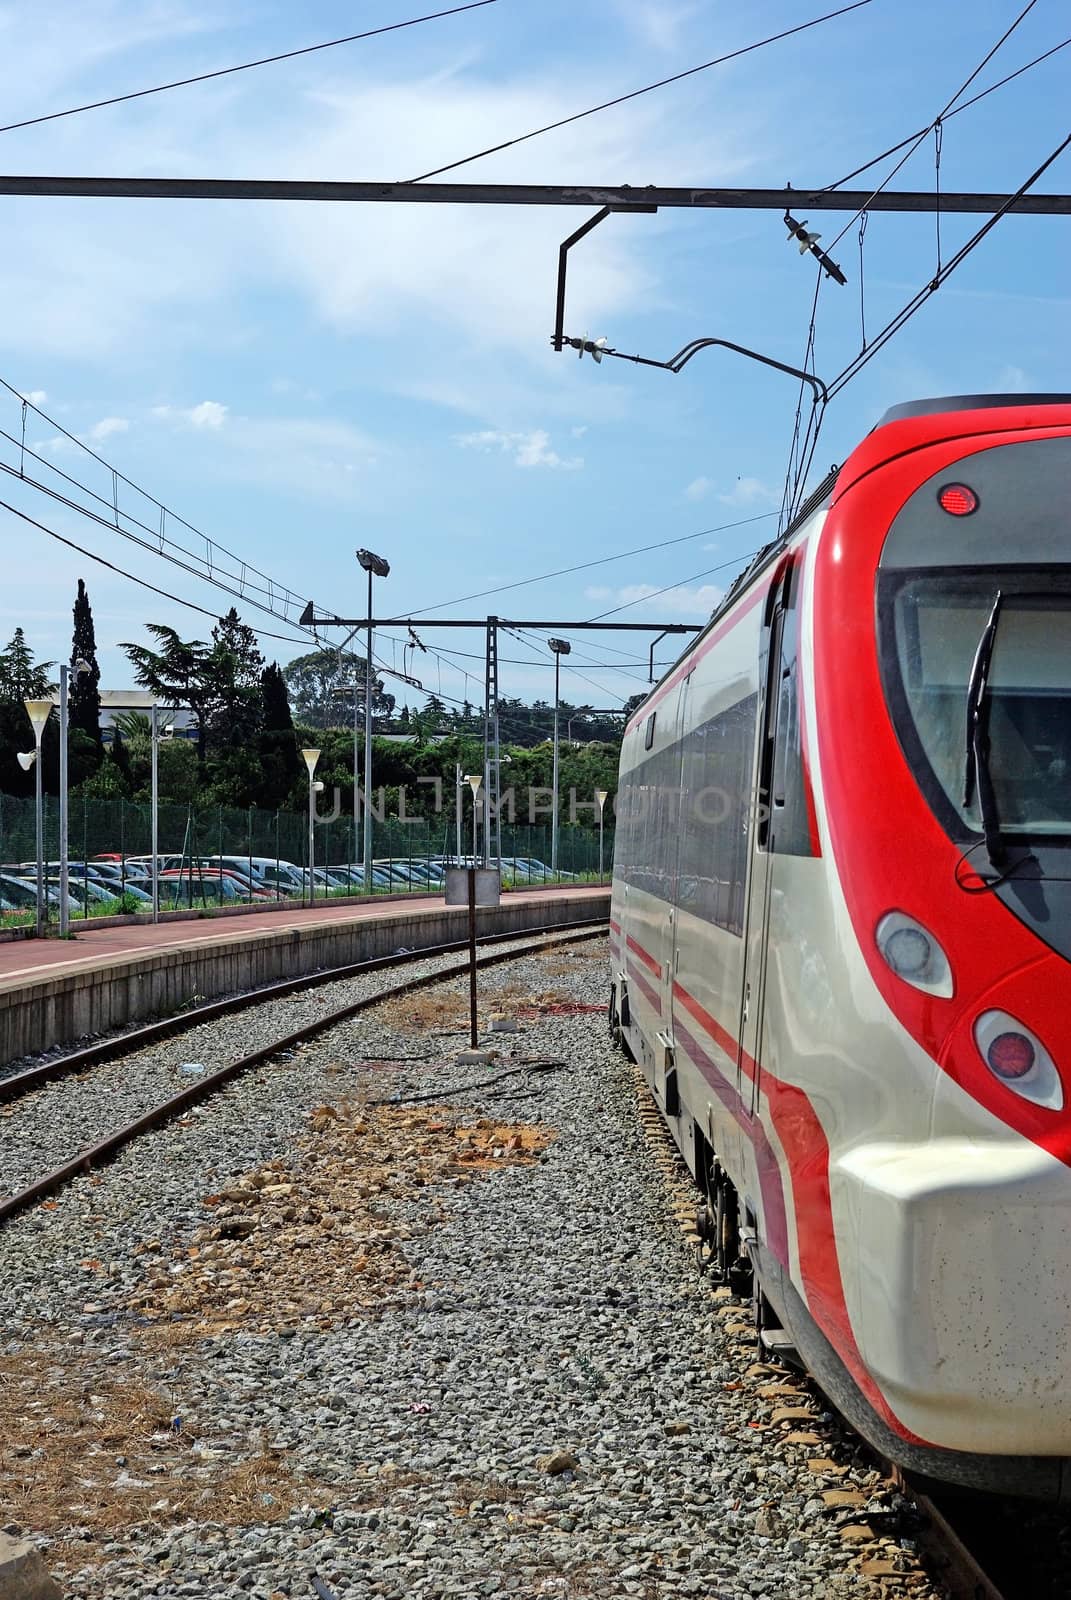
738 561
244 582
634 94
945 111
909 309
143 583
244 66
600 561
920 133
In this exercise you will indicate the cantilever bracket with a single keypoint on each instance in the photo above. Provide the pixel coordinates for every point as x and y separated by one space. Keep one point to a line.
564 248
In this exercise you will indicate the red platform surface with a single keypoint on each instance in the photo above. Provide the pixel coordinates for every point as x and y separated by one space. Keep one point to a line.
96 947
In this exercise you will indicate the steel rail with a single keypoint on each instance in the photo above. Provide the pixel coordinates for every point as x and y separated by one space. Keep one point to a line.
20 1083
95 1155
947 1548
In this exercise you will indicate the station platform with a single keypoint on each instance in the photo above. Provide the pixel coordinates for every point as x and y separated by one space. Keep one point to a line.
55 992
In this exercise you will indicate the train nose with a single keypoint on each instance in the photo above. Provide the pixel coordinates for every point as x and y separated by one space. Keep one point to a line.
1010 1049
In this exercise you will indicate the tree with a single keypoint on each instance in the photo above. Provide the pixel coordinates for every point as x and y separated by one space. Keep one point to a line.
119 757
21 678
84 704
178 674
281 766
323 683
232 673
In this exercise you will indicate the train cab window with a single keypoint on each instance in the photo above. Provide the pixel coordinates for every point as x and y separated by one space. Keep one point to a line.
784 825
648 736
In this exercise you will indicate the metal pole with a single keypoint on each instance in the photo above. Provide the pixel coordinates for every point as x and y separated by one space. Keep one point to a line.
554 779
39 795
154 817
457 806
600 844
498 790
64 870
473 1021
368 751
311 850
475 814
357 849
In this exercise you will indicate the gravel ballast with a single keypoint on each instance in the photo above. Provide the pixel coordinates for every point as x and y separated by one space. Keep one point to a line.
533 1393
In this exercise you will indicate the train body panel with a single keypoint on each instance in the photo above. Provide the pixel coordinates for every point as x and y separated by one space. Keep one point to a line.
907 1202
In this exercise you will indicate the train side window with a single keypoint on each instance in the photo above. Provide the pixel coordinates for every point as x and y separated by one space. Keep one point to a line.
648 737
787 827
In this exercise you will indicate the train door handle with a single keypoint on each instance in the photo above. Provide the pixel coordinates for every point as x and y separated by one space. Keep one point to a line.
747 1001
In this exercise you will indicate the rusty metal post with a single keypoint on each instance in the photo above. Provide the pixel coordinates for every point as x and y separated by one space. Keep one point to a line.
473 1023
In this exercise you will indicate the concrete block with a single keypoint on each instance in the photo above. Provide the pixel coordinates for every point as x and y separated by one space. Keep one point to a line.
23 1574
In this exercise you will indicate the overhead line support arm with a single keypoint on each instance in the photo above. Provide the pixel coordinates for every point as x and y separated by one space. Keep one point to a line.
613 196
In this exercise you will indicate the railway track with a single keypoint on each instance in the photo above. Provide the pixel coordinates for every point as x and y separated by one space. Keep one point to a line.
951 1533
20 1084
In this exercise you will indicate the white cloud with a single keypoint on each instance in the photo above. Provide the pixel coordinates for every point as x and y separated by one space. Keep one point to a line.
680 601
36 397
657 23
106 427
530 449
750 492
698 488
1013 380
578 433
485 270
208 414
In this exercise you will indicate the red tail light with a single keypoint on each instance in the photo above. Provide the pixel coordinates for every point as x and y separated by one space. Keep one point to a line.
1011 1055
957 499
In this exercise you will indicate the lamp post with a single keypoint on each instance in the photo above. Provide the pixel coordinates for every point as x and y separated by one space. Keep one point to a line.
600 795
38 712
154 721
376 567
560 647
458 780
311 757
474 784
78 668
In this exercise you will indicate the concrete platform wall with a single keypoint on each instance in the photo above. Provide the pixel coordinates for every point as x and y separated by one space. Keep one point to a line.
46 1011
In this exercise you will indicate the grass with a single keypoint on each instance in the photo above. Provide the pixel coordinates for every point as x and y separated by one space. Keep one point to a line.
81 1450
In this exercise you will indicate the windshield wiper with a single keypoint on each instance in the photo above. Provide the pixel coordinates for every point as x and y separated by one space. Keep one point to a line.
977 774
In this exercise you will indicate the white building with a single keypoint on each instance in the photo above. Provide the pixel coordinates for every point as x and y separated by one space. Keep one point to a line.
115 702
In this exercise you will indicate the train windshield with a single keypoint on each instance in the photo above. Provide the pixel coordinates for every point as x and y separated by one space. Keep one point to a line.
934 623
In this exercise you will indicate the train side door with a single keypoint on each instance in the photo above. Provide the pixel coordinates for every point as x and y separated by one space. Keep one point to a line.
757 922
665 1079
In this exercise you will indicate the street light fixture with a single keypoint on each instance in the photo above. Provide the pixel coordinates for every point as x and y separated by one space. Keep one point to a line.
311 757
560 647
79 667
474 782
38 712
601 797
376 567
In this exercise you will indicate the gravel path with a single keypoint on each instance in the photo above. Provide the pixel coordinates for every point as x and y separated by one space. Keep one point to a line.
53 1123
540 1398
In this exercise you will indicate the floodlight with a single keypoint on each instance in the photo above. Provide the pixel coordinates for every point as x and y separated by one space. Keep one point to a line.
26 759
561 647
373 563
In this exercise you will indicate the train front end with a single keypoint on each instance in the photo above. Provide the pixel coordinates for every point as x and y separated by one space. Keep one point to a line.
942 706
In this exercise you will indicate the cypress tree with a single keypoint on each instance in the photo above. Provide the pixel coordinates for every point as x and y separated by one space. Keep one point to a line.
84 702
280 762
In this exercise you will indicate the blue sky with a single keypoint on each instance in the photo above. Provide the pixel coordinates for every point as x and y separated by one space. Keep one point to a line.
299 380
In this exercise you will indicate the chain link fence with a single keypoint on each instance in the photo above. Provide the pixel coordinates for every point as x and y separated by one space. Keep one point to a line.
192 840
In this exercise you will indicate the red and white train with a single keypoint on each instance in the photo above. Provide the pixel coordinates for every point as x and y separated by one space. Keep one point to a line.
841 935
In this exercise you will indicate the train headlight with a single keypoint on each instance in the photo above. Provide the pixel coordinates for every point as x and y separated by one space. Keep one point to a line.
1019 1059
912 952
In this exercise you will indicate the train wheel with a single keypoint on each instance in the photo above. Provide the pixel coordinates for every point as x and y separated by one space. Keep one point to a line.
613 1018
